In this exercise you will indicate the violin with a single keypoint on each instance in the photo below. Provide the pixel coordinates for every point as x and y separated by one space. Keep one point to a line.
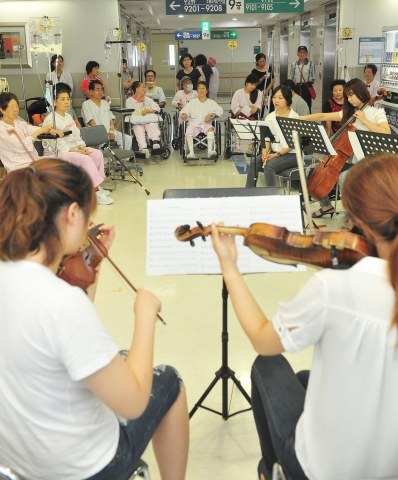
279 245
325 175
80 268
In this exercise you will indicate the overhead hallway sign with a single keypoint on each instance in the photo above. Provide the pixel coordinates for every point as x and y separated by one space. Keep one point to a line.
214 7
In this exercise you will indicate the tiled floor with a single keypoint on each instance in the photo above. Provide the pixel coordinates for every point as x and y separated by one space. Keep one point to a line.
192 307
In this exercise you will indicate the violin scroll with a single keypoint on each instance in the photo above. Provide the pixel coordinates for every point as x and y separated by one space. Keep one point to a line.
185 234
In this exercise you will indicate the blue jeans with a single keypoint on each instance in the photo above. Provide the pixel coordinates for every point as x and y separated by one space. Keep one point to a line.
278 396
136 434
271 168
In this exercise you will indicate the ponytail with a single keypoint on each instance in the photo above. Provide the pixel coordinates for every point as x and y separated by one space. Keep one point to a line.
30 201
393 273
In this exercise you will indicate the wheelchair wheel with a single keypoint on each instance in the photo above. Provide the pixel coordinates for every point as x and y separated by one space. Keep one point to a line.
169 128
175 143
166 134
227 153
166 154
218 138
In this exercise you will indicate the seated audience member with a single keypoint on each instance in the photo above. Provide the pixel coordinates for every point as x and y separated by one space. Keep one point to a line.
199 113
96 111
17 137
72 407
71 148
369 73
128 80
246 105
339 420
58 75
182 97
278 158
152 90
92 69
298 105
334 104
143 119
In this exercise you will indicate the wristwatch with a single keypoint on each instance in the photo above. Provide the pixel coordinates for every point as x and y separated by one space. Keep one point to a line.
279 154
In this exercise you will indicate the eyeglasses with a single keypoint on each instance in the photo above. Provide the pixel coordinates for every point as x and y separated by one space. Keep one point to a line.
150 77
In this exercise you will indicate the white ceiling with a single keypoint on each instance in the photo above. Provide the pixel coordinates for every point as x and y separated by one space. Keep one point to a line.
152 14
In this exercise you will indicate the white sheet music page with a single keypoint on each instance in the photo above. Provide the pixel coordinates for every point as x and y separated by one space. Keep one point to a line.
168 256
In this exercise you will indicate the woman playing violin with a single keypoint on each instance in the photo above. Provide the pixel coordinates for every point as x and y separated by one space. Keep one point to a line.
71 406
370 119
343 424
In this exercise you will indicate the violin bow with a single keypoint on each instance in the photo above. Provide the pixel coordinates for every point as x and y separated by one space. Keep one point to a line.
303 181
92 238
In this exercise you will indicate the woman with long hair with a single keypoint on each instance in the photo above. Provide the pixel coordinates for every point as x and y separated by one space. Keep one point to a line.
246 105
72 148
278 158
339 420
369 119
71 406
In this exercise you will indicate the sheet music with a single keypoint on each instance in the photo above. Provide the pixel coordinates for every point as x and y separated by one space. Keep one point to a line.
356 146
327 141
168 256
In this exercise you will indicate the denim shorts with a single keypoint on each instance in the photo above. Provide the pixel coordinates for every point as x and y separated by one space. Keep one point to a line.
136 434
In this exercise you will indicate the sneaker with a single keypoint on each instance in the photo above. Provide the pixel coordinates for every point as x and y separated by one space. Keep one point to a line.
145 152
212 154
102 199
155 146
191 155
103 191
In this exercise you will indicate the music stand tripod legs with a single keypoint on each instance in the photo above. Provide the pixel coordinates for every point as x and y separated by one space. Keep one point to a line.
224 373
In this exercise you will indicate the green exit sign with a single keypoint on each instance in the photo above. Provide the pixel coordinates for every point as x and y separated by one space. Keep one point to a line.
224 34
205 26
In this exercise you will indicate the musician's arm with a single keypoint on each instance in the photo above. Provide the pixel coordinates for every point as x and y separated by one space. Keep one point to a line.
322 117
380 128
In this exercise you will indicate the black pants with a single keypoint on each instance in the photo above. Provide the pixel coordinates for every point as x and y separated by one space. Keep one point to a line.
305 94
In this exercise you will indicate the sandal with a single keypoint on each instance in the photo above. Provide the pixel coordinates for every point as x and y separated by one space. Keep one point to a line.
323 212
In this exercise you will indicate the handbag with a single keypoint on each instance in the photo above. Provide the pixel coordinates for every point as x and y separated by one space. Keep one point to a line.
310 89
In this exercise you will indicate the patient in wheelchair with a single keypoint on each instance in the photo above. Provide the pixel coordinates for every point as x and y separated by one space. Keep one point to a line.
145 118
199 113
186 94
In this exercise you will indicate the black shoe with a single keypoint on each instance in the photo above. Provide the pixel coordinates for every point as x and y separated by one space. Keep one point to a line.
323 212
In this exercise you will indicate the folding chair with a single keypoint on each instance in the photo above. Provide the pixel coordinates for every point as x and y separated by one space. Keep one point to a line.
97 136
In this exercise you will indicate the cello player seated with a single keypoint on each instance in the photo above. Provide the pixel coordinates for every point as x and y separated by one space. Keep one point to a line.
370 119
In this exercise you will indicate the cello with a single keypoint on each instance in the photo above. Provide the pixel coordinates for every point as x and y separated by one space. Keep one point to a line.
325 175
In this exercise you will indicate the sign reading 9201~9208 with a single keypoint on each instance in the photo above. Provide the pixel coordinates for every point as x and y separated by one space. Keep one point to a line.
214 7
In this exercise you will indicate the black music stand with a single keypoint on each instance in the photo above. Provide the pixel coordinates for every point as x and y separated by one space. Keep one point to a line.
312 138
372 142
224 373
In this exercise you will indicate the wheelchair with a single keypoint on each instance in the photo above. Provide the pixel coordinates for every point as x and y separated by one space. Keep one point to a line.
227 138
200 142
176 142
163 151
166 128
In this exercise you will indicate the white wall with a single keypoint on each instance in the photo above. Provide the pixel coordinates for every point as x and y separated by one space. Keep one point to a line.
84 23
366 18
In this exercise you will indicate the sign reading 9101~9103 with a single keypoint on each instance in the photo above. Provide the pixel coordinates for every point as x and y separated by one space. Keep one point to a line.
214 7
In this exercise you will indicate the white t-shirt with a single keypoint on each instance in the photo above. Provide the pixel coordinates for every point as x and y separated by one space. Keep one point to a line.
271 119
52 427
101 115
348 430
